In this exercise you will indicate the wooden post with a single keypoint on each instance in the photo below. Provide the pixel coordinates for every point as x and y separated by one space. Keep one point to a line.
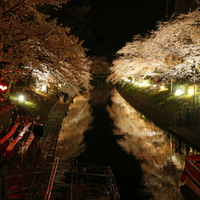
171 90
194 96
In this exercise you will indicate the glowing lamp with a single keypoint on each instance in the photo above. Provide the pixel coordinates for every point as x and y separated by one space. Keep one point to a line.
179 92
154 85
3 88
190 91
21 98
162 87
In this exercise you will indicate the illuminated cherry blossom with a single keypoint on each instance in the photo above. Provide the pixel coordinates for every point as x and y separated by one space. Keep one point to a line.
172 51
29 41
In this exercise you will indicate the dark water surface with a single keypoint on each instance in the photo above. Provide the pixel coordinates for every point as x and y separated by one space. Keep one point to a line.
146 161
102 148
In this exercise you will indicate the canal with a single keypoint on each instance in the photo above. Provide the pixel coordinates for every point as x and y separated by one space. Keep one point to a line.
102 128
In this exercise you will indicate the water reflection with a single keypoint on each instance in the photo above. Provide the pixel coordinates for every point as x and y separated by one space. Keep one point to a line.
74 125
161 164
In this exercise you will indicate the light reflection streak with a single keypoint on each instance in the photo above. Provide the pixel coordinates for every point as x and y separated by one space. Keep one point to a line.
161 166
74 125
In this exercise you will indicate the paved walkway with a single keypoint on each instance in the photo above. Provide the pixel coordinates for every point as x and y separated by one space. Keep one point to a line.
191 135
51 133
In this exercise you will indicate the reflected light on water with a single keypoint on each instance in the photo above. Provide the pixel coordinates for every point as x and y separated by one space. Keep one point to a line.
160 164
74 125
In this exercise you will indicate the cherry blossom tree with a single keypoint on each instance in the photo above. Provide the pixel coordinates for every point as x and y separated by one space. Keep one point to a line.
169 52
30 41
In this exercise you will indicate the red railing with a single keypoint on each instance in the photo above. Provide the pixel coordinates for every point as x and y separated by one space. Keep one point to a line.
192 167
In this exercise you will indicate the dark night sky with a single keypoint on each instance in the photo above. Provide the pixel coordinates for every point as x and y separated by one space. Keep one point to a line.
118 20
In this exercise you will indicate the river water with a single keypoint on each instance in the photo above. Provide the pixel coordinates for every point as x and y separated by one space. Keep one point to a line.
102 128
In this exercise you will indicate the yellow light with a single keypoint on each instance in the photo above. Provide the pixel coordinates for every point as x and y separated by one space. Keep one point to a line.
147 84
141 84
190 91
154 85
179 92
21 98
162 87
125 79
136 83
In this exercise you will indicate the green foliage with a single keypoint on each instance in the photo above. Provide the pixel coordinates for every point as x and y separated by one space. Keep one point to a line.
35 103
162 100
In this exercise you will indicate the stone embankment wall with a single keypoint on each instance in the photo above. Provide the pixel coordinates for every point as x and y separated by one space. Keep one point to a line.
159 117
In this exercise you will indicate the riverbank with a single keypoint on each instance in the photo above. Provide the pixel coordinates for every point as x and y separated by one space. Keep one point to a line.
163 119
158 116
34 104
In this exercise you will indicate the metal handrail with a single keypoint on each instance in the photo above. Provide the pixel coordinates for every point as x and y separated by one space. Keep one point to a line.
94 174
51 179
